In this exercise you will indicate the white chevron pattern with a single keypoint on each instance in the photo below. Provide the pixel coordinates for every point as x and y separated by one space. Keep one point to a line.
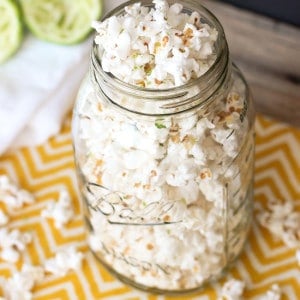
46 169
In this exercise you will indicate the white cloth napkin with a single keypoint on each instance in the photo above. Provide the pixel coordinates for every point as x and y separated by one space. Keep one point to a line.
38 87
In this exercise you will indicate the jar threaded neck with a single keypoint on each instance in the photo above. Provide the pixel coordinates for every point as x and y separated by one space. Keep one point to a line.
158 102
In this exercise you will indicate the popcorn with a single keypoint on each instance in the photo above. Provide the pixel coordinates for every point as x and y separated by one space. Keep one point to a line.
273 294
232 290
61 211
10 254
135 159
12 243
161 47
298 256
282 220
166 172
173 175
64 261
13 196
3 218
19 286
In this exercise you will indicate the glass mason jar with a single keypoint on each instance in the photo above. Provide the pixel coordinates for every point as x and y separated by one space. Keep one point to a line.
166 176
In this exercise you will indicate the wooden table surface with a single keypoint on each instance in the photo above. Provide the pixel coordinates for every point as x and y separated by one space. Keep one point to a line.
268 53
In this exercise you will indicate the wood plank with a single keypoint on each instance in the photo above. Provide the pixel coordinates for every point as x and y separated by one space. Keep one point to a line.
268 53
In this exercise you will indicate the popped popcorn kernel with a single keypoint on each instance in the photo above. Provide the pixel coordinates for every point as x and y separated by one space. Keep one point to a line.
20 285
65 260
298 257
205 174
61 211
232 290
12 243
274 293
13 196
3 218
282 220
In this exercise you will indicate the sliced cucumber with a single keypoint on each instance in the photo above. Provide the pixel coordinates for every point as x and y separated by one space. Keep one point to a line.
61 21
11 32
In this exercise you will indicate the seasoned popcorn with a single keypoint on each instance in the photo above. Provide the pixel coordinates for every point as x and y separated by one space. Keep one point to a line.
157 48
20 285
274 293
12 242
61 211
282 220
156 188
232 290
64 261
12 195
3 218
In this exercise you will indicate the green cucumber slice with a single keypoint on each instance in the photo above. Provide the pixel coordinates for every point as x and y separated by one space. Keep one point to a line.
11 30
61 21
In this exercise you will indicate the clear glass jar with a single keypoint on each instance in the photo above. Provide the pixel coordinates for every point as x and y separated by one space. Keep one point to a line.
166 176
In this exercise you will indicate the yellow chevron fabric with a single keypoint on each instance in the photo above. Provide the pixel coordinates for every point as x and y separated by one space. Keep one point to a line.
46 169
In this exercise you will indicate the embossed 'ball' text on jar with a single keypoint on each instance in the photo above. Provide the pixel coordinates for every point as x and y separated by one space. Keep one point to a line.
166 175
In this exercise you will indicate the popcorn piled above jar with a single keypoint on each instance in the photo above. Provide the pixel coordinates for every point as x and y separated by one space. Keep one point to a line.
157 48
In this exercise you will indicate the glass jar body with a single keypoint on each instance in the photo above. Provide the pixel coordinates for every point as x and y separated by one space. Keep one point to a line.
168 200
166 177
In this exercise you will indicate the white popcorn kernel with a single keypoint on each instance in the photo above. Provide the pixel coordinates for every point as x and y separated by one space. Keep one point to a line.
191 189
3 218
95 242
64 261
134 9
282 220
124 45
212 189
29 275
15 294
203 125
10 254
298 256
174 15
273 294
24 197
187 124
232 290
135 159
12 195
61 211
12 243
19 286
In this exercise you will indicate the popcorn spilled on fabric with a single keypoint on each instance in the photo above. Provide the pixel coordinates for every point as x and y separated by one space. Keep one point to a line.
65 260
274 293
12 195
232 290
60 211
13 242
20 285
282 220
3 218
